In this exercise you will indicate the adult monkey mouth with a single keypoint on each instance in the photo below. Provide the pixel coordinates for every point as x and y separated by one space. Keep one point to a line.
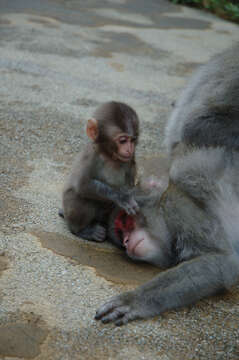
131 248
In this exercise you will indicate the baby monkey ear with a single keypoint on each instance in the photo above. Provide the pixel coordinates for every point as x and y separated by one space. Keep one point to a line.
92 130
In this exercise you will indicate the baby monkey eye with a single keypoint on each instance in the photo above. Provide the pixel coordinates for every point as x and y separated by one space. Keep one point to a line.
123 140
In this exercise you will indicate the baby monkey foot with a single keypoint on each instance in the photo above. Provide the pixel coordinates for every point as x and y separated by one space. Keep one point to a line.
99 233
94 232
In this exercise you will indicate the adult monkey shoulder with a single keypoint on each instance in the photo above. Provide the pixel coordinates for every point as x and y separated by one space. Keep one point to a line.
102 172
191 228
207 113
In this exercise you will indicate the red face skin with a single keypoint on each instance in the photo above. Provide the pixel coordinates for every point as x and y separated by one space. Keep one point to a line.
135 239
126 147
132 236
124 224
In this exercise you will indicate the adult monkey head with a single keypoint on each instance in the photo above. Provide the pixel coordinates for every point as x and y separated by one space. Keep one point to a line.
139 234
115 129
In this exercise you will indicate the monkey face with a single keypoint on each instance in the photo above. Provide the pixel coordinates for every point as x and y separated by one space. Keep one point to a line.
139 245
119 147
135 238
125 147
115 128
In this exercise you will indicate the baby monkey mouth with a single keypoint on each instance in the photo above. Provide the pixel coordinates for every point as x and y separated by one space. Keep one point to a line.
123 158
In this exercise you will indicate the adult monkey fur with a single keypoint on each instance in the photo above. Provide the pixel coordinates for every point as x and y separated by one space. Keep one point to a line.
102 172
192 227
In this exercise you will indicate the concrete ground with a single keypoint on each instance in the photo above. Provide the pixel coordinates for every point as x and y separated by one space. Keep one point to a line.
58 60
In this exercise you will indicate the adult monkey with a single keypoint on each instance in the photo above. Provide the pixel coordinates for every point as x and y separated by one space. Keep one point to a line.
191 228
103 173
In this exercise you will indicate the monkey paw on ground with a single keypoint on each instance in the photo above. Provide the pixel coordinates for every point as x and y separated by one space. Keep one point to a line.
122 309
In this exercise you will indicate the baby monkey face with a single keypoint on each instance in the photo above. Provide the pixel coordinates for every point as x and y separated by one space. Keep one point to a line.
125 147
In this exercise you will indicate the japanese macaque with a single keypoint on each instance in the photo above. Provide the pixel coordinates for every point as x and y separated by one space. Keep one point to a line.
103 173
191 228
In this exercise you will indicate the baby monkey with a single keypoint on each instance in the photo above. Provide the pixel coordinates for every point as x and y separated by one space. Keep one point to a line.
103 173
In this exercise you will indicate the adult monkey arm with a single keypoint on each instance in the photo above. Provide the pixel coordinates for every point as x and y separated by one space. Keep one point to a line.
180 286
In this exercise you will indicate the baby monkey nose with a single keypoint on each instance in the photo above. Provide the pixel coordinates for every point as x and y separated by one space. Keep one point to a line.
130 148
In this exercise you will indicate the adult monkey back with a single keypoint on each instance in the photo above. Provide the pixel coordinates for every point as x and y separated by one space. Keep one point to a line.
192 227
103 172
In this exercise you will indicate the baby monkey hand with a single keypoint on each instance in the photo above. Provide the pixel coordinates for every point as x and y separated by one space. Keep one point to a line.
128 203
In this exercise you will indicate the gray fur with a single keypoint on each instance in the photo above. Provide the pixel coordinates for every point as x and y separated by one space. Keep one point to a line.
201 116
98 181
200 207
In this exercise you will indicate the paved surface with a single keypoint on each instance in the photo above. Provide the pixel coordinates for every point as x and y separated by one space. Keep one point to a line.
58 61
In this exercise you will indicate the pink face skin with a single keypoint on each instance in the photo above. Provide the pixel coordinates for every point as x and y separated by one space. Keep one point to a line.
138 243
126 147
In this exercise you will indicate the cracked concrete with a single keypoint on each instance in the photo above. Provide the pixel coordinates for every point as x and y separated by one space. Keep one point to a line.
59 60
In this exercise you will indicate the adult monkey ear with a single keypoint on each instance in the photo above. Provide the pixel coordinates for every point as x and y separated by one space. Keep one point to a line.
92 130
